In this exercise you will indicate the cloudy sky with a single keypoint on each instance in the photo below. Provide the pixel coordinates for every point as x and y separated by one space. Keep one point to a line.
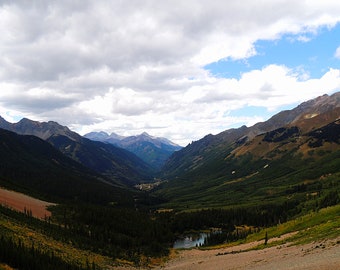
176 69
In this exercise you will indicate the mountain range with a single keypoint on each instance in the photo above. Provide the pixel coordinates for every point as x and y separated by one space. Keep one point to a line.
287 149
32 165
308 116
116 164
247 163
153 150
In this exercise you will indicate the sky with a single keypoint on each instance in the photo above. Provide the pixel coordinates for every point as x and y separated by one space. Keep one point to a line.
175 69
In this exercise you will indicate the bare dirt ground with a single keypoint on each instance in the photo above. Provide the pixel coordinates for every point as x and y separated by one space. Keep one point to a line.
323 255
20 202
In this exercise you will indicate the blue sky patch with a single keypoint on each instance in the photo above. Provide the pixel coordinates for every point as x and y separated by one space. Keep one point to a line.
310 53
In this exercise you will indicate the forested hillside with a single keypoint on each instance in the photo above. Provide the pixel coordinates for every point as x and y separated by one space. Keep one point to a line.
236 167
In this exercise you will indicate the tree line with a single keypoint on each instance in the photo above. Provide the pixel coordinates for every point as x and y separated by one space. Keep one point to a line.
19 256
132 234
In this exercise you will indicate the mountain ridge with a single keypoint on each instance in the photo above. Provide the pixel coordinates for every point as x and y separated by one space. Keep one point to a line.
153 150
188 156
252 163
119 165
33 166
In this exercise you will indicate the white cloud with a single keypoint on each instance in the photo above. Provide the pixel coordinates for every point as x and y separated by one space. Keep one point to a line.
337 53
138 66
189 115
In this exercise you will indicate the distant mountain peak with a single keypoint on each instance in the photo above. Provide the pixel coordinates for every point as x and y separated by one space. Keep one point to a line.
153 150
97 136
103 136
43 130
103 133
146 134
115 136
23 120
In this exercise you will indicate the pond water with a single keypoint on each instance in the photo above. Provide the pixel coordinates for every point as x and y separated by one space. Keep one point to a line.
190 240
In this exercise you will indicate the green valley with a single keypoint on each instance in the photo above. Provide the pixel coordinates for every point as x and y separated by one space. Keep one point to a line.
280 176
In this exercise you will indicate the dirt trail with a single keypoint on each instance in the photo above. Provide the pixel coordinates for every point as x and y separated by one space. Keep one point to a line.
321 255
318 255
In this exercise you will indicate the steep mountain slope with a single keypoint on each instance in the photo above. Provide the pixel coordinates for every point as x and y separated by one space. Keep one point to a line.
117 164
214 147
153 150
238 167
31 165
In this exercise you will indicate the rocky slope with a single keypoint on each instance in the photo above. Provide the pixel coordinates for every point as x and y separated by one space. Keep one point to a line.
308 116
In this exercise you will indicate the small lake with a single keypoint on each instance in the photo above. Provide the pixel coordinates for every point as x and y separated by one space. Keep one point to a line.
190 240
